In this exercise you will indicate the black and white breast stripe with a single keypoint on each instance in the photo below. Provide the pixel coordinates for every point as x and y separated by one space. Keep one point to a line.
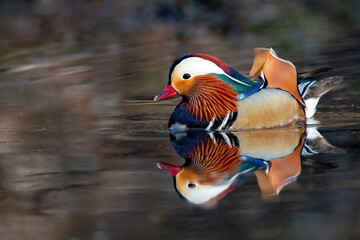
222 125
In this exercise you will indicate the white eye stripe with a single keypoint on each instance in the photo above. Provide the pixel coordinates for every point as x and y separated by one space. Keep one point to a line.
196 66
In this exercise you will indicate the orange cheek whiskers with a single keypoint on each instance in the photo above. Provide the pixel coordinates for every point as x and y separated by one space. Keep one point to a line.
211 98
212 162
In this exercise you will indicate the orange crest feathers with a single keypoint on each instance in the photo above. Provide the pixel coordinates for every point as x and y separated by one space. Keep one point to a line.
211 97
278 72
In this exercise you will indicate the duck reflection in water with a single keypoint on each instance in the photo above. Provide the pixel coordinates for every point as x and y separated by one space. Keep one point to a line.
217 162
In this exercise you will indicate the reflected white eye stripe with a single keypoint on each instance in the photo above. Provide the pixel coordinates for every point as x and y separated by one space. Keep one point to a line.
223 123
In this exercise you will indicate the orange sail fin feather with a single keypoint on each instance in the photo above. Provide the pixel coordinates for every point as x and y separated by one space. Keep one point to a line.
212 98
282 172
278 72
261 55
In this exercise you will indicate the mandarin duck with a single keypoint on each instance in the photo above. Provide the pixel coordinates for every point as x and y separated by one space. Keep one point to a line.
216 164
217 97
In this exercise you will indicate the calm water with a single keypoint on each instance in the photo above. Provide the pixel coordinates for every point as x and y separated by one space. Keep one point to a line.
85 154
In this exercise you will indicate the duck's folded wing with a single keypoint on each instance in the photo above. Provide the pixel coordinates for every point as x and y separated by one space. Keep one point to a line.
241 84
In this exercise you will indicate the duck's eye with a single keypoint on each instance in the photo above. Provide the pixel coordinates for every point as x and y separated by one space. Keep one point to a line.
186 76
191 185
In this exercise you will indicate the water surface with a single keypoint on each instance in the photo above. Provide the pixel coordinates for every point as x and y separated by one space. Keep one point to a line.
81 140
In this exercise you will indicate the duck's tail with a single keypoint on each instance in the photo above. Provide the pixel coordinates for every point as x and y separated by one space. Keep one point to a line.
312 90
315 143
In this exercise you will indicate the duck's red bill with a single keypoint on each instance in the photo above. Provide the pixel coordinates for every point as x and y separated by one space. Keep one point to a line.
169 91
173 170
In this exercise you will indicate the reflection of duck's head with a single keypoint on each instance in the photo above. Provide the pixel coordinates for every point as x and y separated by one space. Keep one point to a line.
189 184
217 163
211 171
